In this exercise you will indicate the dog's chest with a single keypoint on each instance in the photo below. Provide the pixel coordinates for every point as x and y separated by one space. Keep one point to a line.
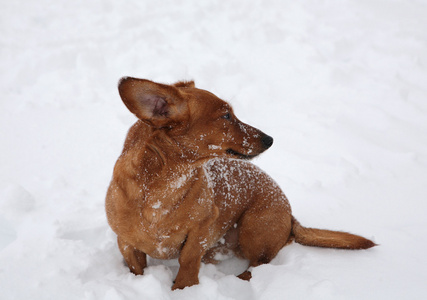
231 180
165 199
168 208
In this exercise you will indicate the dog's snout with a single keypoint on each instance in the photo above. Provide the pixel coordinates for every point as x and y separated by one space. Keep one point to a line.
267 141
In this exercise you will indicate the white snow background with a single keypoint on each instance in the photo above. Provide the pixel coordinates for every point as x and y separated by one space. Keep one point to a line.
340 85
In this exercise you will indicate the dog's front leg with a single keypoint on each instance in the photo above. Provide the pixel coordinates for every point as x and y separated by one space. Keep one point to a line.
135 259
197 243
189 261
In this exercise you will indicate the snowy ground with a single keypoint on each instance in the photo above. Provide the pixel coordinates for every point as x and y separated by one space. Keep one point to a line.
340 85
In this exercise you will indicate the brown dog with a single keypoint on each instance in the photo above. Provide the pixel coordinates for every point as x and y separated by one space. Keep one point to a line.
183 187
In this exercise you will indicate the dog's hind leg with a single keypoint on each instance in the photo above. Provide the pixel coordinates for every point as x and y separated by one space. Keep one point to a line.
262 233
135 259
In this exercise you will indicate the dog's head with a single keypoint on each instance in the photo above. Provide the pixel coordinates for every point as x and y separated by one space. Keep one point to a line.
196 119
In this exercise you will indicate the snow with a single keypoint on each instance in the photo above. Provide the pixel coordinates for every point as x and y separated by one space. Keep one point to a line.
340 85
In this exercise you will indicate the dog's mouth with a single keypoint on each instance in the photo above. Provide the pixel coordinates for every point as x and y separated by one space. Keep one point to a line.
240 155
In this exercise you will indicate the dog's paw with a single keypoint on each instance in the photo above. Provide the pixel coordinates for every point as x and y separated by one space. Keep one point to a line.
181 284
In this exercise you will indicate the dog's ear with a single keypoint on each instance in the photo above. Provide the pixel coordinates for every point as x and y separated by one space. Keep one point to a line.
157 104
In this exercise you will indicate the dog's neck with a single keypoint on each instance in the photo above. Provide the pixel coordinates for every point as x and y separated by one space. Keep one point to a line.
162 152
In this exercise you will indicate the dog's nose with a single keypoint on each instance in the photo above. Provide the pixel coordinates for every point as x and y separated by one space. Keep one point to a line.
267 141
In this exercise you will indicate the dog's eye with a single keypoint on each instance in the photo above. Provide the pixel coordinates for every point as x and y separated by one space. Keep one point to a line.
227 116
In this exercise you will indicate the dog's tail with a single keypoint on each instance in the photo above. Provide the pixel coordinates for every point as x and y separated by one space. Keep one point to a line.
327 238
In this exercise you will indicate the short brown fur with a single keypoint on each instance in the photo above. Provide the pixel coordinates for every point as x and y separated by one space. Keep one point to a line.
183 188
